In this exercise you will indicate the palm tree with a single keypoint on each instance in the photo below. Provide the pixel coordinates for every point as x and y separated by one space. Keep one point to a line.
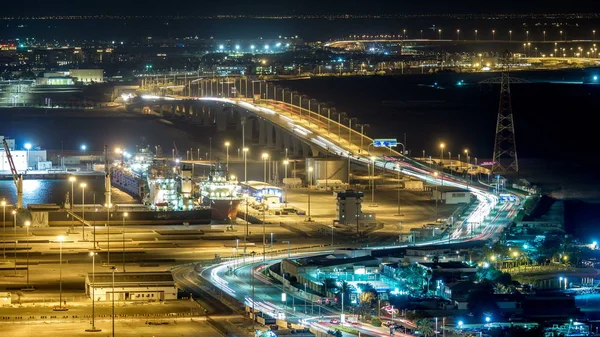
330 285
424 326
344 290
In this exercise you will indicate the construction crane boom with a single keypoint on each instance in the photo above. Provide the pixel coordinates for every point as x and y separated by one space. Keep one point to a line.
17 178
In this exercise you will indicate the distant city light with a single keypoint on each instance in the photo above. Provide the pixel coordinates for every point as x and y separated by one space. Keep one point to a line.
221 47
595 78
83 147
287 44
267 46
27 146
488 319
252 47
278 44
237 47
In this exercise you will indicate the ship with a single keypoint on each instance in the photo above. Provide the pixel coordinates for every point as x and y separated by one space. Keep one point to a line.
222 193
130 176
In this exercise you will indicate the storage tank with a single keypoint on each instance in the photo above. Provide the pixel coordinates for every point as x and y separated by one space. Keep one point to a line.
334 169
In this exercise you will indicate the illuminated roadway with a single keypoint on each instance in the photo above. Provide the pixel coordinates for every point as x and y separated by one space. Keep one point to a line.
485 222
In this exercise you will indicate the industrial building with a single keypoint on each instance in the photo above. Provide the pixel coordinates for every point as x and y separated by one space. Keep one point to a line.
139 286
24 159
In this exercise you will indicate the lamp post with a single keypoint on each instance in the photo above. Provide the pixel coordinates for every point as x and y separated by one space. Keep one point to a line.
398 178
60 240
27 224
442 146
72 180
108 206
310 169
113 268
227 144
436 196
93 329
265 156
14 214
125 214
285 166
288 243
253 254
83 186
245 165
373 183
4 228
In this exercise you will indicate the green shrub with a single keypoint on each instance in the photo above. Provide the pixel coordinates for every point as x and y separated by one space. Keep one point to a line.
376 321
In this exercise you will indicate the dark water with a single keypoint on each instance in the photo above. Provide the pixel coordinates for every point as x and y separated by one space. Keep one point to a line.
54 191
138 29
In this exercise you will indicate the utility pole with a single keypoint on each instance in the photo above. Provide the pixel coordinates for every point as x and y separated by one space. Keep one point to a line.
505 148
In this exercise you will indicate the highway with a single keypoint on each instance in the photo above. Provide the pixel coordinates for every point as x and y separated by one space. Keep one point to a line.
485 222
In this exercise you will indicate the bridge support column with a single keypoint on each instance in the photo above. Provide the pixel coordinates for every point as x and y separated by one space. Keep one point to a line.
287 144
269 129
248 126
296 146
221 118
278 139
262 132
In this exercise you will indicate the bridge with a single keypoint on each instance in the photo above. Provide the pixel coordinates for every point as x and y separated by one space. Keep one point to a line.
306 129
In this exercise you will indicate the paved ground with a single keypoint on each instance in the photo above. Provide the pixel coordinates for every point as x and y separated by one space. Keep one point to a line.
123 328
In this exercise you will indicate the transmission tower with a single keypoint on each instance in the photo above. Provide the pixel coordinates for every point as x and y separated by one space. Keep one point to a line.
505 147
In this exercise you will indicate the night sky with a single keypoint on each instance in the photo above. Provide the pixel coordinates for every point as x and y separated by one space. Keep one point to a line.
200 7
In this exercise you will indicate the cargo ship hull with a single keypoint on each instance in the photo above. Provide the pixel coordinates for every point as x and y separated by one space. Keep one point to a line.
223 211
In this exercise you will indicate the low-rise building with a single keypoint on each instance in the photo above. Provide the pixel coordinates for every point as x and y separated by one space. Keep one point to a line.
138 286
451 195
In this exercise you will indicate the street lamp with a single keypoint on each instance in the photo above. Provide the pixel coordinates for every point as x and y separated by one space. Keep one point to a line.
288 243
310 170
373 183
72 180
245 165
227 155
108 206
113 268
265 156
27 147
442 146
125 214
4 228
493 34
93 329
27 224
83 186
14 214
398 178
436 196
285 166
60 240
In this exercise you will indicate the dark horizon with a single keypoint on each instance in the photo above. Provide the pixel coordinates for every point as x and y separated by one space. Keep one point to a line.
270 7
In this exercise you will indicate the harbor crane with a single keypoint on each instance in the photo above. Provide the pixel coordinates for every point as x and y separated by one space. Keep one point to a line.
17 177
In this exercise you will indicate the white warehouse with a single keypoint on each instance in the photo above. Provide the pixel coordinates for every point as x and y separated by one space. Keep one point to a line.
142 286
450 195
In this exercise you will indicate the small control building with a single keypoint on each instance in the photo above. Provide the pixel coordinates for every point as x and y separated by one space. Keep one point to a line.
349 209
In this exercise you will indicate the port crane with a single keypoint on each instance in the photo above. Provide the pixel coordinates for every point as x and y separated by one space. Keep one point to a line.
17 177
